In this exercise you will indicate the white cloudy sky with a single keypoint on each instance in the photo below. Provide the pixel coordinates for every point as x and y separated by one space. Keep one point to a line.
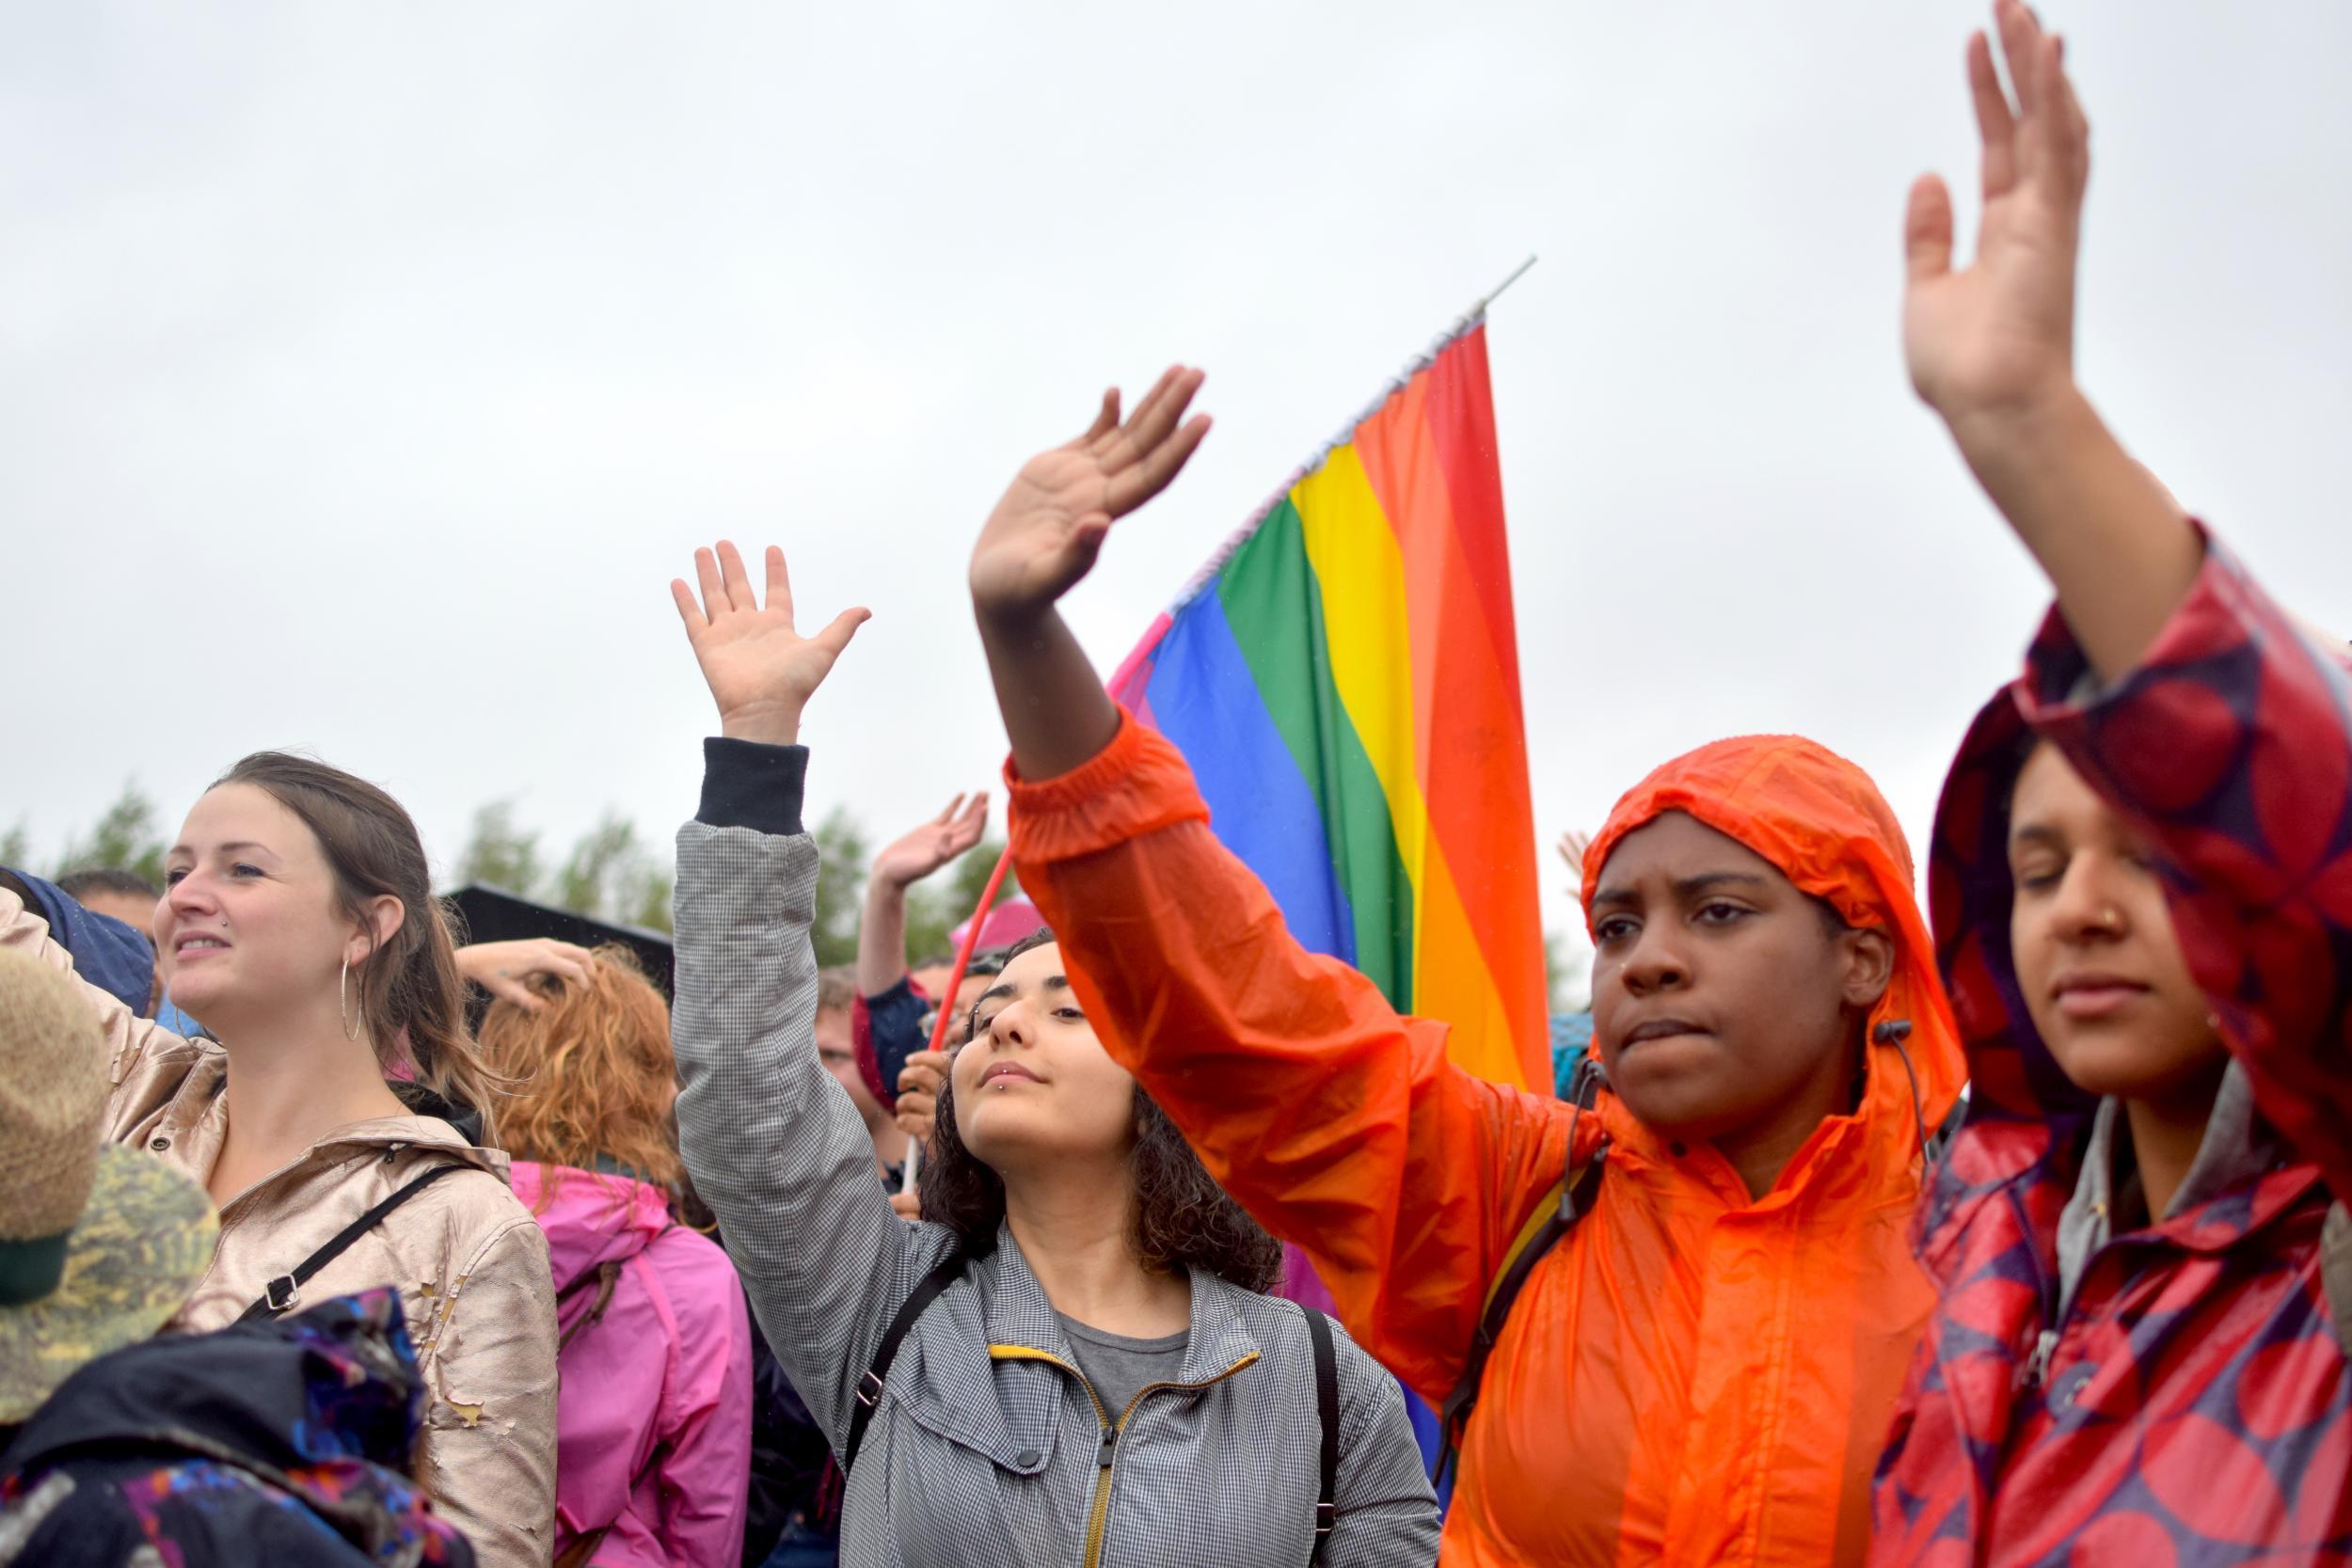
368 370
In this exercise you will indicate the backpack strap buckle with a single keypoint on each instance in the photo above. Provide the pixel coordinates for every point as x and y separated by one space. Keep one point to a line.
869 1385
284 1291
1326 1519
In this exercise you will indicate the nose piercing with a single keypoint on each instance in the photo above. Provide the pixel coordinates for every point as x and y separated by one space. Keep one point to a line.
2111 920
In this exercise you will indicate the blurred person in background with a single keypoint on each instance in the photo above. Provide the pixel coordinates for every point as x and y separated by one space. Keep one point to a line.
836 1047
654 1419
126 896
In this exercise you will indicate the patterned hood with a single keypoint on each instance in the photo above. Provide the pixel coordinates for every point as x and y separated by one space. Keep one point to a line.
2012 1072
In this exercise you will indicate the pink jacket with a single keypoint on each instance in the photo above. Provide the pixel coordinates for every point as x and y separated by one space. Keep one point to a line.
654 1409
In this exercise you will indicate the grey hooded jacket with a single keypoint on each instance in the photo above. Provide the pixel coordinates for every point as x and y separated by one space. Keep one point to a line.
987 1448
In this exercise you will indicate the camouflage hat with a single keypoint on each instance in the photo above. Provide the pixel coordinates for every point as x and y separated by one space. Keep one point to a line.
99 1243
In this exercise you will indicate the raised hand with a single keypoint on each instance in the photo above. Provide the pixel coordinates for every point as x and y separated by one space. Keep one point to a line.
761 670
1997 339
1992 349
1045 533
504 968
934 844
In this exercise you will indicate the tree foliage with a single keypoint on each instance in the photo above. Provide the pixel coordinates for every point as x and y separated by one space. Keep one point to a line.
124 838
501 854
844 851
609 874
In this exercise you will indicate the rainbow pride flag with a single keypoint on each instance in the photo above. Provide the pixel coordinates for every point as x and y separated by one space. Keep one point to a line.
1344 679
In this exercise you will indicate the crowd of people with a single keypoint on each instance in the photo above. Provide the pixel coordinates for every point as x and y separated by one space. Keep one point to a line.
2007 1231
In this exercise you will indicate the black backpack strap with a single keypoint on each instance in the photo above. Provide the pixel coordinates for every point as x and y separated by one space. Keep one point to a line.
1940 1141
869 1387
1551 1220
1556 1220
283 1291
1327 1408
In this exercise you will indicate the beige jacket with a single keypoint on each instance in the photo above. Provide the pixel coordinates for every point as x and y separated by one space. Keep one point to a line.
470 1261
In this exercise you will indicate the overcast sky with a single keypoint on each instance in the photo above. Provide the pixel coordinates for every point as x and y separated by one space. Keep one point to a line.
370 369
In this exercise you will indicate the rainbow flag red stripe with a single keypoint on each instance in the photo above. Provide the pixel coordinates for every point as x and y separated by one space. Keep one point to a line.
1344 679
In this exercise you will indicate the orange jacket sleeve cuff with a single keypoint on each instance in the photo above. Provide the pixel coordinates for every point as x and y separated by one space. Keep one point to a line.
1137 784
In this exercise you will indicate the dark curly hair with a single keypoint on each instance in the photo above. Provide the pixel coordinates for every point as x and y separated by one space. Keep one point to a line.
1183 1218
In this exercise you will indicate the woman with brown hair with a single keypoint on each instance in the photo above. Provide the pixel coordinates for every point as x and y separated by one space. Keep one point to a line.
1069 1360
653 1431
1180 1214
298 923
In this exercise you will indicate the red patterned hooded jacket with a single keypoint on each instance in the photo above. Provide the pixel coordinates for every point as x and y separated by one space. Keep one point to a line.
2182 1396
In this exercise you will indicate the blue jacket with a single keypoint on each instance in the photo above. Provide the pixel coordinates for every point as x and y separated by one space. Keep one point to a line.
109 954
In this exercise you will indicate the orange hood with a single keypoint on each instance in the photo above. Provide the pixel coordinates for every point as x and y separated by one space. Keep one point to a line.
1824 826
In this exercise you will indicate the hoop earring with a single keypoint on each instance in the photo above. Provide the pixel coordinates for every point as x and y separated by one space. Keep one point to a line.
343 1002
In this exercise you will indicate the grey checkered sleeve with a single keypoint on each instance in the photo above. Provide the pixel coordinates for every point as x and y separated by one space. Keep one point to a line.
1388 1515
773 1143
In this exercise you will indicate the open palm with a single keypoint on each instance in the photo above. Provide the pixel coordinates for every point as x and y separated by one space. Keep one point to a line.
760 670
1045 533
2001 333
930 847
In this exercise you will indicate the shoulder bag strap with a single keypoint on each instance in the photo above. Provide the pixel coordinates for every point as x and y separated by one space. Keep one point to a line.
283 1291
1554 1218
869 1387
1327 1408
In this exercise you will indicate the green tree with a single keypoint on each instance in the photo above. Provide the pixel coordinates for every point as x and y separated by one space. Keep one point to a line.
648 900
594 878
611 873
846 852
124 839
16 844
501 854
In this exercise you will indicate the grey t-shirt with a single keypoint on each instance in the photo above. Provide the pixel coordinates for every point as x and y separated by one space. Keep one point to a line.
1121 1368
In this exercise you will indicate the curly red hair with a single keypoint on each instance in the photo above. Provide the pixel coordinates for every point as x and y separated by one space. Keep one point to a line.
594 1080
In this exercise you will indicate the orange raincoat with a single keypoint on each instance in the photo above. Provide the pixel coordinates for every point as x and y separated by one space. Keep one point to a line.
1691 1376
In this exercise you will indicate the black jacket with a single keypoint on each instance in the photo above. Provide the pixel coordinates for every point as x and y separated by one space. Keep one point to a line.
284 1442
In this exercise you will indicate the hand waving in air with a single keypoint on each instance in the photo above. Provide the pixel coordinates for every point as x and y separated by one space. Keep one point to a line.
1996 338
760 668
1992 350
934 844
1045 533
